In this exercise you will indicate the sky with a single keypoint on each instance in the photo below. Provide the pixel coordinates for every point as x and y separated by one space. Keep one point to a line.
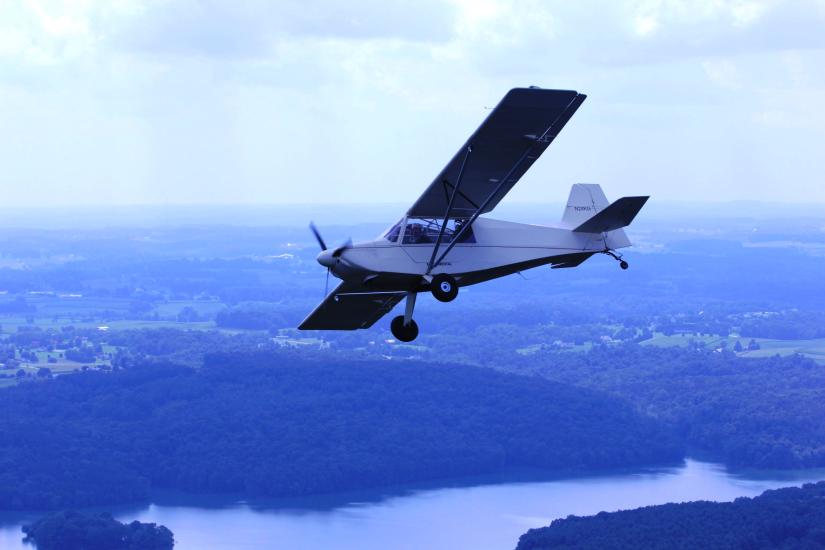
167 102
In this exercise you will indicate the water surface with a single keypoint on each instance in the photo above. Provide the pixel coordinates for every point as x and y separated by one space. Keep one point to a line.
480 516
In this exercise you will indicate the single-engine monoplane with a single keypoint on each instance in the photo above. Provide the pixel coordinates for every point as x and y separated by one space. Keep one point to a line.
442 243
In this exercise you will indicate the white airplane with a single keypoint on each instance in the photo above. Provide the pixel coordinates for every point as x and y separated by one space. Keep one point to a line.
442 243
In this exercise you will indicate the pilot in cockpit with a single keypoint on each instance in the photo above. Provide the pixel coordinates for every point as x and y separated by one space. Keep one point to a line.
415 234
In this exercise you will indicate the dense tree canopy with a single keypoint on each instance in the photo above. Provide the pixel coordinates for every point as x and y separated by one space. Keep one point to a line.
761 413
278 425
790 518
76 531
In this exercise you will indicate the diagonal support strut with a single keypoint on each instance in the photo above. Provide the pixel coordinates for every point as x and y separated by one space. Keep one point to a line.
481 208
545 137
430 264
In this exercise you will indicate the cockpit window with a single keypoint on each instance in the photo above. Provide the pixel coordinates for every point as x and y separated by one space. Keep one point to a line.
393 232
425 231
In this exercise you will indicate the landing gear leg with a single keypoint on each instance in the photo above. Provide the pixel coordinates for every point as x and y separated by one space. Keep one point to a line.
404 327
618 257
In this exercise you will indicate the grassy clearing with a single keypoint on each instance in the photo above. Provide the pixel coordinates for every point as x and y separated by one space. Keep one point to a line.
674 340
535 348
10 324
203 308
140 324
815 349
56 311
61 367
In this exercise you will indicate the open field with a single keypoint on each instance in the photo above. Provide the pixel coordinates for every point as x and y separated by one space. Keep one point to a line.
666 341
815 348
59 310
203 308
535 348
10 324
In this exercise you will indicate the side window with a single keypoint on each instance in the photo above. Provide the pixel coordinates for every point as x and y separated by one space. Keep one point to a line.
418 233
425 231
393 233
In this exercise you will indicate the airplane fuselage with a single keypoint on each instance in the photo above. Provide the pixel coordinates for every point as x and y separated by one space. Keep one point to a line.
500 248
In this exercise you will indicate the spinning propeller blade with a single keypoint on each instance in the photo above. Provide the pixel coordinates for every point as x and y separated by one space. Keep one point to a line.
335 253
323 246
317 236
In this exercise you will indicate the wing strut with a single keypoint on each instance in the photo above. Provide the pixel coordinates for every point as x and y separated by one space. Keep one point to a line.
546 137
480 209
430 264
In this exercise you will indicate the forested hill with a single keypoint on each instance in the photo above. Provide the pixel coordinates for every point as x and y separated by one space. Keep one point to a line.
281 425
754 413
785 518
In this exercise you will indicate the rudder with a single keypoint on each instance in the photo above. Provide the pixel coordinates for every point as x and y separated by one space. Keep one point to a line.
585 201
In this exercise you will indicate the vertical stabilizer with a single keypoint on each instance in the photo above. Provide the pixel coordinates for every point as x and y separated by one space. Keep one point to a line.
585 201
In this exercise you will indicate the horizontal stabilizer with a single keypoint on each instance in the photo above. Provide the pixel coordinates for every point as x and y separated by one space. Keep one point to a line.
617 215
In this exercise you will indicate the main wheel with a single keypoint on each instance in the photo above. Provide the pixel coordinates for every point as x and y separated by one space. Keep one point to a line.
444 288
404 333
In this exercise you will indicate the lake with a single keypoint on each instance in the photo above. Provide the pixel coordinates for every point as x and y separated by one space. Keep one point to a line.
479 516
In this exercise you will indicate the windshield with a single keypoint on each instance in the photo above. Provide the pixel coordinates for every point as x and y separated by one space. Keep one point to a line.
393 232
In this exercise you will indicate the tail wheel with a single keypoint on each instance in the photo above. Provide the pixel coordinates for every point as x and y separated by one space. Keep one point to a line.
444 288
402 332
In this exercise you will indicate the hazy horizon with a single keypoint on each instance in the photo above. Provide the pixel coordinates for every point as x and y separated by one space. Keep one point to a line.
300 214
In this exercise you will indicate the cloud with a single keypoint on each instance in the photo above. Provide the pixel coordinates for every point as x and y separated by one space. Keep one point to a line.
251 29
531 35
207 101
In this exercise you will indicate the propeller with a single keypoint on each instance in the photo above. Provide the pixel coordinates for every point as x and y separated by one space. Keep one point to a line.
318 236
323 246
335 253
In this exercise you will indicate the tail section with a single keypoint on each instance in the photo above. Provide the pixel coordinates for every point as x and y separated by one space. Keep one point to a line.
617 215
588 210
585 201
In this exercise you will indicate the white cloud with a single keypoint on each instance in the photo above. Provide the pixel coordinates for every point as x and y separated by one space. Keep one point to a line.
211 101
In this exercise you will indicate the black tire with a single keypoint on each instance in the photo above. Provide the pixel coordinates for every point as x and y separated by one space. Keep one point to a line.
623 264
404 333
444 288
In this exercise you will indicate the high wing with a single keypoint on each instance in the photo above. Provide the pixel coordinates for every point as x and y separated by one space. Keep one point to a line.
509 141
350 307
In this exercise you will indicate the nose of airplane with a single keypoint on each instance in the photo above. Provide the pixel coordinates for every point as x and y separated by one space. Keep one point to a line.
325 258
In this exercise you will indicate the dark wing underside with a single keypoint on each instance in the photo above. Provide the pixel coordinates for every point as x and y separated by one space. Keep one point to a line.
570 260
525 122
350 307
